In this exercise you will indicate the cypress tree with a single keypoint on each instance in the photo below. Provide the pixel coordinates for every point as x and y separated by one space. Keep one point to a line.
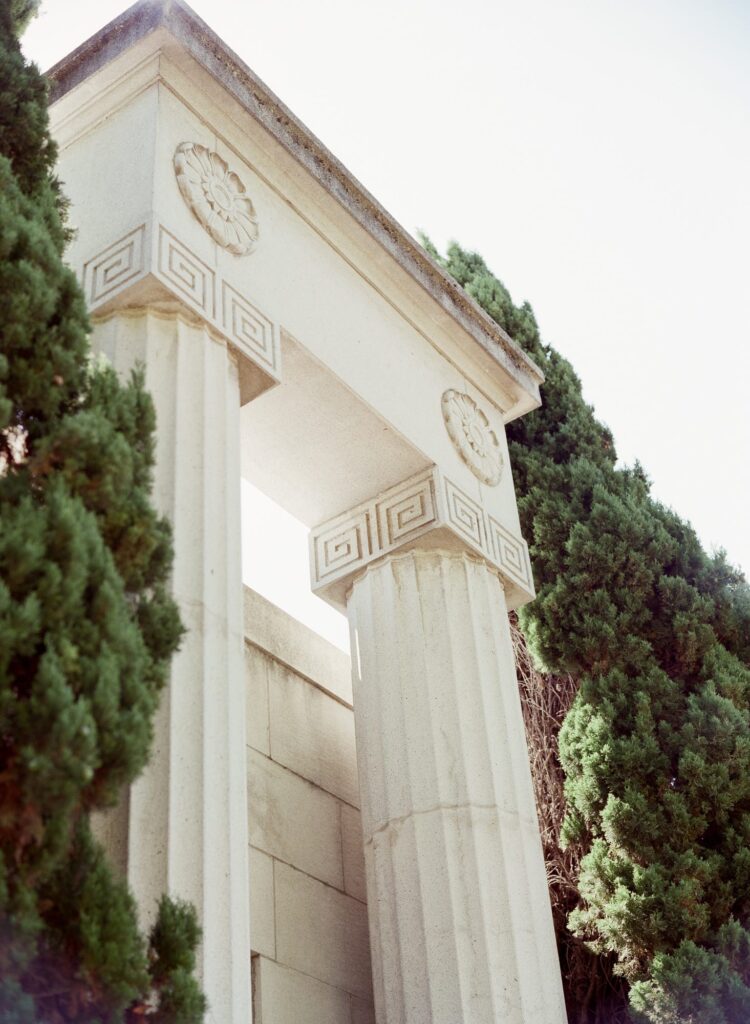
87 626
656 745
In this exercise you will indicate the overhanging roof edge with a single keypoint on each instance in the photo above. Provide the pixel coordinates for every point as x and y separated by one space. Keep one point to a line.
252 94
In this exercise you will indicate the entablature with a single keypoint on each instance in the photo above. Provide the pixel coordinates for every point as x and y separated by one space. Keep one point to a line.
163 42
361 362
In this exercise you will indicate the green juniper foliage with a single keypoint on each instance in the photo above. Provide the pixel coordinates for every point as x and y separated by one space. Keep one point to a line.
87 626
656 746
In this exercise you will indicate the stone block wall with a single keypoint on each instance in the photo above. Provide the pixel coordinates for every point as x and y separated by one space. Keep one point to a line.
310 949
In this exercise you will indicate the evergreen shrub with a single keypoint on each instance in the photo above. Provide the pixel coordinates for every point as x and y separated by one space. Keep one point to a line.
87 626
656 745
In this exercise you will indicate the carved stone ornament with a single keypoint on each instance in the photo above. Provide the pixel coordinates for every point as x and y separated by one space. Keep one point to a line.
217 197
474 438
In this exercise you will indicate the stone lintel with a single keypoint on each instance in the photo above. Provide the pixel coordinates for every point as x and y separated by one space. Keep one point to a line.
428 510
150 264
147 17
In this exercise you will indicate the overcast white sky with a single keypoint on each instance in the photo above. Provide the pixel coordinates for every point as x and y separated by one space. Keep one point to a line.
597 154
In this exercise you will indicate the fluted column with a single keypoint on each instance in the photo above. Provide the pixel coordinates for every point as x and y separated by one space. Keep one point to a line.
187 816
460 920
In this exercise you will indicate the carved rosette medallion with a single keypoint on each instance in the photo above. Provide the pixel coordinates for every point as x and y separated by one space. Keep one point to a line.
474 438
217 197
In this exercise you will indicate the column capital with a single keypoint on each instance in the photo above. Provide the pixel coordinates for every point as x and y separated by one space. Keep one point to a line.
425 510
150 266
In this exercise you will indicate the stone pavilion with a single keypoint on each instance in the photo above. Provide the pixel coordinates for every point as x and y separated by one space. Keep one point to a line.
359 837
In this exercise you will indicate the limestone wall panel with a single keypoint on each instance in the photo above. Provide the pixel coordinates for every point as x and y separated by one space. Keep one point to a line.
178 124
363 1012
312 734
294 821
294 645
108 177
308 920
256 682
321 931
262 912
284 996
353 852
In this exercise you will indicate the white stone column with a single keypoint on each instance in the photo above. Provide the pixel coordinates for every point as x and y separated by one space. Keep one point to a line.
187 827
460 919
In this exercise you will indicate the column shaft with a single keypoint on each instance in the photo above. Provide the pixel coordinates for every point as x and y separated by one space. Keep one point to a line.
187 817
460 920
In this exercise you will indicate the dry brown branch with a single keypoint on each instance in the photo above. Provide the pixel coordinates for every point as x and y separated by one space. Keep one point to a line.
593 994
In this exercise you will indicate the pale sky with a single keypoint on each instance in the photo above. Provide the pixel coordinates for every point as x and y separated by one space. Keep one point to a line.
596 153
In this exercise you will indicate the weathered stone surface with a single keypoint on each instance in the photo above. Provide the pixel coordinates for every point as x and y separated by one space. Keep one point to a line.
298 648
426 510
256 682
322 932
353 852
460 917
312 734
374 335
363 1011
110 828
262 913
187 829
294 821
284 996
244 89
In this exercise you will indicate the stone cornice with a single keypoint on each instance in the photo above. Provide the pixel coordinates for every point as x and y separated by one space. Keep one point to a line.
254 96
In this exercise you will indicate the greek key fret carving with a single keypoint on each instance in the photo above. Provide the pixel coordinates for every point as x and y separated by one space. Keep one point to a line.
402 514
351 541
188 274
152 251
113 268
